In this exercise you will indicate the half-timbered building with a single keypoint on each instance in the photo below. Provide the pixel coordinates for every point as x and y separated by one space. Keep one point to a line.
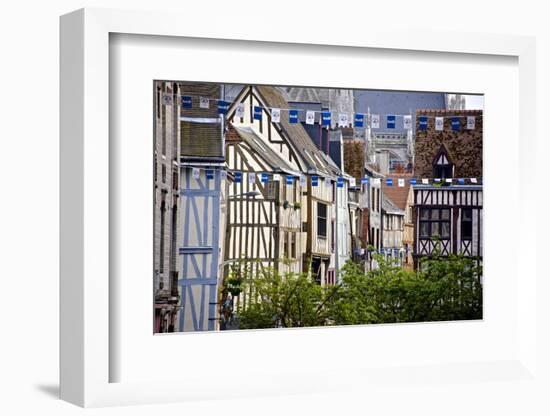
313 196
392 231
448 203
202 199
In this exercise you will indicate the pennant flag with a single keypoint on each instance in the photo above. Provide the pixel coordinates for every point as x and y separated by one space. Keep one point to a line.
352 182
238 176
314 180
310 117
251 178
289 179
412 181
473 180
437 180
257 113
186 101
375 121
364 181
264 177
343 120
439 123
223 175
328 182
239 110
401 182
276 115
196 173
325 118
377 181
209 174
205 103
223 106
471 123
407 122
389 182
461 181
390 121
423 123
359 119
303 180
455 124
293 116
166 99
425 181
340 182
449 180
276 177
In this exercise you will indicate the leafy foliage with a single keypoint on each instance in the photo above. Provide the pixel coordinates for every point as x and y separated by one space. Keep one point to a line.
445 288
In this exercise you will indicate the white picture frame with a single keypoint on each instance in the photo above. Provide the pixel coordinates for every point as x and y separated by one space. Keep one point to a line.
85 352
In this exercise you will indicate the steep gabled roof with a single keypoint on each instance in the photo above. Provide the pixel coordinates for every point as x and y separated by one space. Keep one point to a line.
317 161
396 194
263 150
389 207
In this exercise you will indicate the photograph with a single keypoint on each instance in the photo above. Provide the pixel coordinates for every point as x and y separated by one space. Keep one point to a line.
291 206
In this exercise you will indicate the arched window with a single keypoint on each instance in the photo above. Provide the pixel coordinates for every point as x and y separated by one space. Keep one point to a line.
443 167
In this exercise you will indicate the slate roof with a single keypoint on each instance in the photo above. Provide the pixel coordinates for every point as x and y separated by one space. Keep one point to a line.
389 207
263 150
317 161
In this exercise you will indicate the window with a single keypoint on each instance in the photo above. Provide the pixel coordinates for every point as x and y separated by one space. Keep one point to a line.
443 168
293 245
163 168
272 189
332 237
161 245
158 101
321 219
435 222
175 180
285 244
466 224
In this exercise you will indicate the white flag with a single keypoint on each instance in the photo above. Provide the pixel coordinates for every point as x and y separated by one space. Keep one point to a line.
473 180
239 110
407 122
328 182
471 123
310 117
439 123
425 181
276 177
343 120
252 178
196 173
352 182
303 180
223 175
449 180
401 182
276 115
204 102
166 99
375 121
376 181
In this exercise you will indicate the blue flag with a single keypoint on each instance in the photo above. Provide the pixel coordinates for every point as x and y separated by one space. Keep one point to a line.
389 182
238 177
359 120
340 182
293 116
423 123
209 174
257 113
325 118
289 180
412 181
461 181
455 124
314 180
390 121
186 101
223 106
264 178
364 181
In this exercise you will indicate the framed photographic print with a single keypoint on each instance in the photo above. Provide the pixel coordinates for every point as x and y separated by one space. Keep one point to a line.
233 208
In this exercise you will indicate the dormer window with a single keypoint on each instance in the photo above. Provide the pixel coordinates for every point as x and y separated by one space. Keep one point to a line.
443 167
